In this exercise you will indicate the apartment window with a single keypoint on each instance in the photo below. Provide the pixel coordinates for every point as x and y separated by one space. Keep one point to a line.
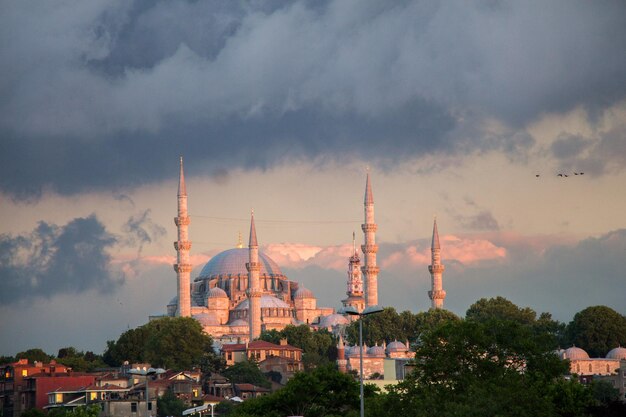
24 372
59 398
149 405
133 407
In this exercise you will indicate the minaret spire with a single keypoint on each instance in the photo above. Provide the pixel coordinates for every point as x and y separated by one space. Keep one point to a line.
436 268
254 288
183 245
369 227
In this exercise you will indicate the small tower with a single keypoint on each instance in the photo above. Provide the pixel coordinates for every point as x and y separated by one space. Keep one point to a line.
254 289
342 363
437 294
370 270
355 281
182 245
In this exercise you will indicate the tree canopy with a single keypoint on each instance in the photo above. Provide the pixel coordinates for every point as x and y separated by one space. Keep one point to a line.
319 347
597 330
471 368
246 371
169 342
35 354
322 392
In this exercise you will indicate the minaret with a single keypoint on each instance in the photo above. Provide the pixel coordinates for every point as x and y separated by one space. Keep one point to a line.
355 281
370 270
182 245
437 294
342 363
254 291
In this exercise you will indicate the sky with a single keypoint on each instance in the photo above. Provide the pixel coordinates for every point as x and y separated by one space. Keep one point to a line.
463 110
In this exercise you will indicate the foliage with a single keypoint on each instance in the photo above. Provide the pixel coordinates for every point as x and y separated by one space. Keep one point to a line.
500 308
597 330
319 347
79 361
170 405
33 355
170 342
476 368
389 325
33 412
6 359
322 392
83 411
246 371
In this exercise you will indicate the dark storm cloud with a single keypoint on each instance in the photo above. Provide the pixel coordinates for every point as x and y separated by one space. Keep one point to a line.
105 94
56 260
604 153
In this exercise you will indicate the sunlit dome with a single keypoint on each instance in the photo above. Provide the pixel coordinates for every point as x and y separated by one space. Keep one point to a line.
617 353
396 346
303 293
217 292
267 301
233 262
376 351
575 353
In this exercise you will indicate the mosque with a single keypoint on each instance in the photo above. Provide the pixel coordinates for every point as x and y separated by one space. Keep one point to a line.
242 291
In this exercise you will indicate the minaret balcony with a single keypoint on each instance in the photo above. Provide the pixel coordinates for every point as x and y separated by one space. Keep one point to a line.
253 266
435 269
182 245
182 267
369 227
253 293
368 270
369 248
182 221
437 294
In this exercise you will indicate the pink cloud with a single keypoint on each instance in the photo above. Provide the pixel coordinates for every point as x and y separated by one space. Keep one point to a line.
300 255
464 250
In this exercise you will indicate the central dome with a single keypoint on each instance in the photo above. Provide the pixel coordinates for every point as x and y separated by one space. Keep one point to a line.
233 262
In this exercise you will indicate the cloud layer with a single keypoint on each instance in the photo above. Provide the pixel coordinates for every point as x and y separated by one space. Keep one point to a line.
105 94
57 259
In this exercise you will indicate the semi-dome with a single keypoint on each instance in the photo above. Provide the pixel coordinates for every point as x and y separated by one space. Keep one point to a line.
238 322
173 301
333 320
396 346
303 293
617 353
207 319
267 301
217 292
233 262
575 353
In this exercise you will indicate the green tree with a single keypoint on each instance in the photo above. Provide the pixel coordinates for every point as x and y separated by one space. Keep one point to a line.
597 330
472 368
246 371
500 308
170 342
319 347
322 392
6 359
170 405
82 411
79 361
33 412
33 355
176 343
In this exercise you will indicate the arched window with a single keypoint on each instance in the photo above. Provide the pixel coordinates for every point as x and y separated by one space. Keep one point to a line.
590 367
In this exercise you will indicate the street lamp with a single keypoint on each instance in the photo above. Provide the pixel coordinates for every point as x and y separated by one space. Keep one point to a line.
147 373
350 310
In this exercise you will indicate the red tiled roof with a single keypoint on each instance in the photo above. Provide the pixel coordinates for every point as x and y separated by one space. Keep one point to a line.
250 387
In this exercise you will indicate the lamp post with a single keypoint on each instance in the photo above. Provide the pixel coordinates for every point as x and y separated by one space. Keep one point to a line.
147 373
354 312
